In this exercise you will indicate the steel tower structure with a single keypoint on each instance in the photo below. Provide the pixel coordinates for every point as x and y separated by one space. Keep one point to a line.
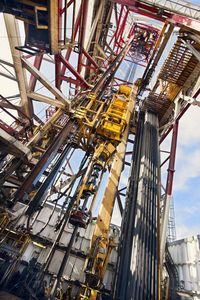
94 110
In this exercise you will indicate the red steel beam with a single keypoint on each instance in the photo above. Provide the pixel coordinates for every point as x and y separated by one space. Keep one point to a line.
118 20
57 70
70 80
153 12
115 10
68 53
121 30
73 71
37 65
84 6
174 126
172 159
88 67
90 58
68 4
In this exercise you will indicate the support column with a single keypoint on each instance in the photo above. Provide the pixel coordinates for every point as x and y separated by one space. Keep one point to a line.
168 196
14 40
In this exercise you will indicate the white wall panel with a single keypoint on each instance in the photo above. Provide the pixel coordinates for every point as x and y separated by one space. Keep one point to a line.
74 268
186 256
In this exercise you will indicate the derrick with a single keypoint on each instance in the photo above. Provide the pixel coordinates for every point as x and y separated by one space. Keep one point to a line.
103 115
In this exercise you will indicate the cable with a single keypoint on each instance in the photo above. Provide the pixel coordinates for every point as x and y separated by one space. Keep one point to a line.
68 196
53 184
7 70
79 171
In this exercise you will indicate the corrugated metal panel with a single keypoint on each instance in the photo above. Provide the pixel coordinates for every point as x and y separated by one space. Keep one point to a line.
65 238
113 256
186 256
108 279
74 268
56 261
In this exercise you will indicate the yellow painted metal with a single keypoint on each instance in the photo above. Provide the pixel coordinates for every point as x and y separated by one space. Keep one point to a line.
15 240
105 119
89 293
104 122
88 118
42 142
120 109
87 115
46 127
102 156
4 221
114 120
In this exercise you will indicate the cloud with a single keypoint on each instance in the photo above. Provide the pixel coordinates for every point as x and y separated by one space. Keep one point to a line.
193 209
188 153
116 216
188 167
124 179
182 231
189 129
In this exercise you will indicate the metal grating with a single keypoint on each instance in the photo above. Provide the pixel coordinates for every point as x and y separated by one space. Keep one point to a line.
175 64
158 104
180 7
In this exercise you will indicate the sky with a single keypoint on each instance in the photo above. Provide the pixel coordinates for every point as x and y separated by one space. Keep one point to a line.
186 187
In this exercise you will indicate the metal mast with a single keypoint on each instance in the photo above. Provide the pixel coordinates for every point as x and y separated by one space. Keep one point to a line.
73 62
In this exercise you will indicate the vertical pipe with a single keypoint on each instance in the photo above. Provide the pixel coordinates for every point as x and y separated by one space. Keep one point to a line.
66 255
65 23
56 56
73 21
137 265
169 189
45 160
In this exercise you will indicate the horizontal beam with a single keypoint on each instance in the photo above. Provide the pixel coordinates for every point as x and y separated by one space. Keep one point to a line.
10 145
46 82
45 99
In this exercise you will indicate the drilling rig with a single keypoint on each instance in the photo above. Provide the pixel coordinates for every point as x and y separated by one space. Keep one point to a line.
124 73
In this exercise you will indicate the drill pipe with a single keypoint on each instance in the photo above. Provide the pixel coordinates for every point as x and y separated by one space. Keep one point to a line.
137 266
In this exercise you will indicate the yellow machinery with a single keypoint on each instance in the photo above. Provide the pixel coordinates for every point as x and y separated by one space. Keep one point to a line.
111 129
4 221
102 124
13 243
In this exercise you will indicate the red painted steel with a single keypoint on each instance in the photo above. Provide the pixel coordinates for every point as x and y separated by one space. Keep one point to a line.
68 5
69 50
154 13
174 126
73 71
90 59
37 65
22 127
178 117
171 170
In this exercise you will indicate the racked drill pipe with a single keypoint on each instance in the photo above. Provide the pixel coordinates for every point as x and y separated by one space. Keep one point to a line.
137 267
